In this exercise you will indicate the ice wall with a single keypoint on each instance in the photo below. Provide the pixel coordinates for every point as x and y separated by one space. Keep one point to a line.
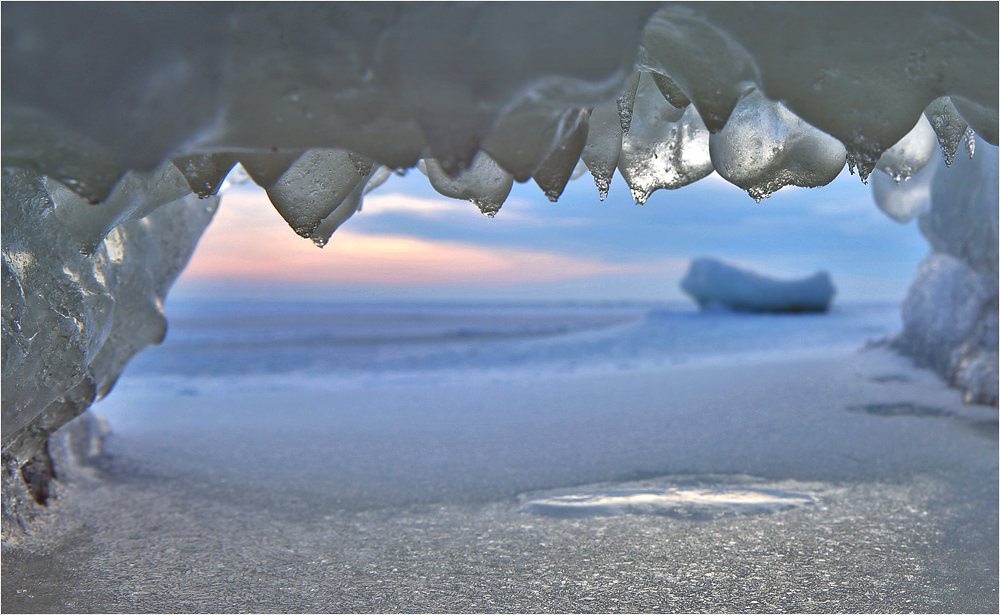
114 113
950 312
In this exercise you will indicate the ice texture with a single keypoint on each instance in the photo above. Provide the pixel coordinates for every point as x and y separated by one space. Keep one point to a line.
948 125
903 201
909 154
765 147
484 183
314 186
865 78
707 65
962 219
950 325
393 84
712 283
950 311
604 145
116 118
71 321
666 147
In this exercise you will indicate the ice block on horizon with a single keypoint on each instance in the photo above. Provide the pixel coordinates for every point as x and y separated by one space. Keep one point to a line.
712 283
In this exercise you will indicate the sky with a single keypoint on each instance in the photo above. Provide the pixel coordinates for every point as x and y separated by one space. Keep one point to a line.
411 244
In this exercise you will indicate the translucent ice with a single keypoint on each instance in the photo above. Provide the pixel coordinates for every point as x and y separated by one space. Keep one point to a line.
764 147
344 210
910 153
315 185
72 321
484 183
948 125
557 168
903 201
604 145
666 147
626 101
707 65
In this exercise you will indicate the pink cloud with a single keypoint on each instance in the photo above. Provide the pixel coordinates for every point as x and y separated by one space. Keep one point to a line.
249 241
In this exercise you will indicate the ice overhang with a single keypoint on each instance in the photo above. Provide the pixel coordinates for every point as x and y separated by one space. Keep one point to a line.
131 106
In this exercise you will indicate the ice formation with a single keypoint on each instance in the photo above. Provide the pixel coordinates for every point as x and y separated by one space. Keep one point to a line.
712 283
950 312
113 114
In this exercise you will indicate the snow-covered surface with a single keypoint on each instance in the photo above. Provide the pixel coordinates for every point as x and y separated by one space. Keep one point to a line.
712 283
873 486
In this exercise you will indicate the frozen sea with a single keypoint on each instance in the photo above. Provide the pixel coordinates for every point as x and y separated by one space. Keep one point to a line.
331 457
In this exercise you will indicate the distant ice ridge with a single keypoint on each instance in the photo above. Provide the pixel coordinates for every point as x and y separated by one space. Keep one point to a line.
113 114
711 282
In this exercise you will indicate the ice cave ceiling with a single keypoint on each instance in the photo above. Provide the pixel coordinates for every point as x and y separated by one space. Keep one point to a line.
171 96
113 114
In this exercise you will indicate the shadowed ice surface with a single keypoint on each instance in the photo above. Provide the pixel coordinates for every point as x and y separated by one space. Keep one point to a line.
525 458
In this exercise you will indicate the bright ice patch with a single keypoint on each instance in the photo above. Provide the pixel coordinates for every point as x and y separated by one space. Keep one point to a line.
703 502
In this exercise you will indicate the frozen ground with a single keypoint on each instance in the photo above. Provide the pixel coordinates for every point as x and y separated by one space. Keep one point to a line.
875 491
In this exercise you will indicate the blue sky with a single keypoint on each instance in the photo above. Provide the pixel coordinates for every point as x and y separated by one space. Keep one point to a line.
409 243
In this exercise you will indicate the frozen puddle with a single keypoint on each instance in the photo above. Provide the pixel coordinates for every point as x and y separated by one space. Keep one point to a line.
689 501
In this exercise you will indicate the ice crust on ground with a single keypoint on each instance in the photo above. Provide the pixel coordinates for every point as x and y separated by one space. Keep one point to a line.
117 117
712 283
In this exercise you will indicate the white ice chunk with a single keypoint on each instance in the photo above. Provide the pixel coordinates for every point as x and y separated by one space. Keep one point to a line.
910 153
904 201
713 283
945 301
666 147
951 325
765 147
962 219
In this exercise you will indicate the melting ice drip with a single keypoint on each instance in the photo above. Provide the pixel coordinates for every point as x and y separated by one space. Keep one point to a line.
114 116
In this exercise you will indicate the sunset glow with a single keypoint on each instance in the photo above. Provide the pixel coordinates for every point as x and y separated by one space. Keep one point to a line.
249 241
